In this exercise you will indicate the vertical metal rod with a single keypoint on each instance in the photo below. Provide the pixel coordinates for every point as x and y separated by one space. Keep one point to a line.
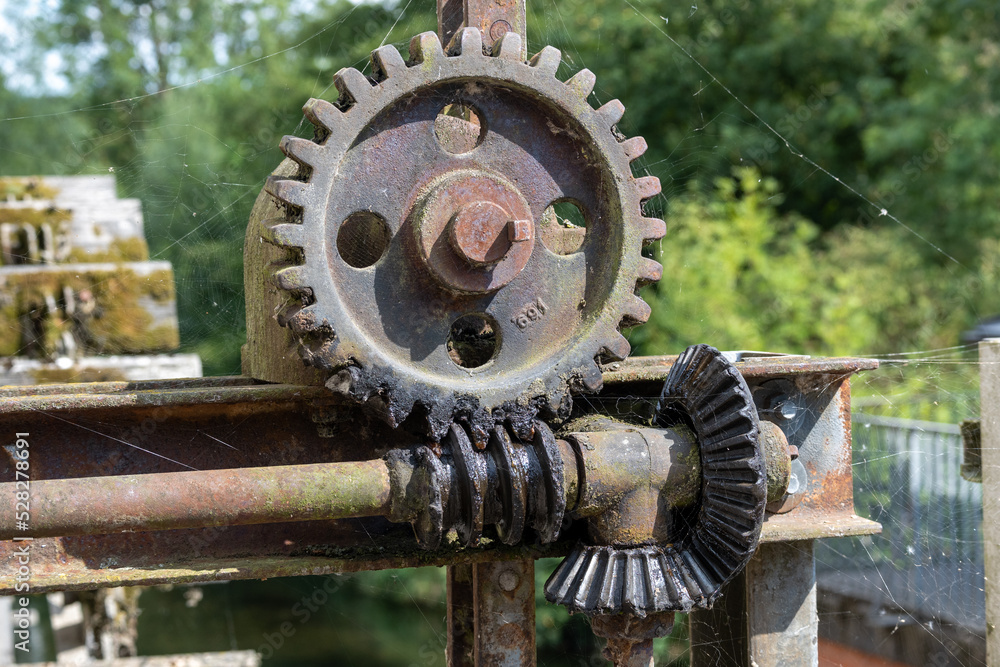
461 616
781 591
766 616
451 18
494 18
989 388
504 596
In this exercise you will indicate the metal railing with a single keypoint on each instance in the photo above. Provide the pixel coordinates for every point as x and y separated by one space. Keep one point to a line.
928 562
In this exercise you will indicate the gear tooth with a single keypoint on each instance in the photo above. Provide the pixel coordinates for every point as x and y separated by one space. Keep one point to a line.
612 112
469 42
616 347
323 113
291 278
425 47
636 312
303 151
386 61
399 410
344 380
648 187
295 193
653 229
591 380
509 47
329 351
323 357
305 320
352 85
547 60
582 83
289 235
635 147
650 271
439 415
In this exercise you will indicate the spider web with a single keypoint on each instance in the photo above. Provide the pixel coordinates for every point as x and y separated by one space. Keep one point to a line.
913 594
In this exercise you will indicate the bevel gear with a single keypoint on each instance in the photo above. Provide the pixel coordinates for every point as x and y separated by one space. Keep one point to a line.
455 297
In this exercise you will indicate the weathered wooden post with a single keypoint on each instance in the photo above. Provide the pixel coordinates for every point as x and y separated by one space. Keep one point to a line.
989 387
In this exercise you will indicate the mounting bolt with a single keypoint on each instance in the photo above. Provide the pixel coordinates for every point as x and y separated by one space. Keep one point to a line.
477 233
499 29
519 230
508 580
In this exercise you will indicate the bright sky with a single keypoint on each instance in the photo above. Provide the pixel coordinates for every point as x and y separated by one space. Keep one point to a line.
12 41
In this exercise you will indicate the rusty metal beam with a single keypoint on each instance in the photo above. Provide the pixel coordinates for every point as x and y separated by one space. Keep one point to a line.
655 368
212 424
494 18
461 617
232 497
767 615
504 599
781 592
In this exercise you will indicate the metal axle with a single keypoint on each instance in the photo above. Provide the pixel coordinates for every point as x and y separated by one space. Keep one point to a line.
396 487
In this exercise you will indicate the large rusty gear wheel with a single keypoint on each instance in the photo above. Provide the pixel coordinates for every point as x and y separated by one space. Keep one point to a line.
456 233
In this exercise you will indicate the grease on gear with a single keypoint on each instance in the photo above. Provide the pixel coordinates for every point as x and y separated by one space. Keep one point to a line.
458 238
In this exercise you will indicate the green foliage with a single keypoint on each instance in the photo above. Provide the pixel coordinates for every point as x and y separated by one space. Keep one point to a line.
739 273
893 98
186 102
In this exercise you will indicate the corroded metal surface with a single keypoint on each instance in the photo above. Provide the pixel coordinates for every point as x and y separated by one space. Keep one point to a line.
630 638
192 395
779 460
767 615
382 332
504 599
781 595
461 617
276 550
227 423
494 18
655 368
652 555
232 497
819 430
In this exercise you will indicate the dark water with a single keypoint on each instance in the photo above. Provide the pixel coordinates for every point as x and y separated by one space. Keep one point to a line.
372 619
366 619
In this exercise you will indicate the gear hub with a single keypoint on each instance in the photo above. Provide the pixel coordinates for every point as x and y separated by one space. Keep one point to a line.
413 260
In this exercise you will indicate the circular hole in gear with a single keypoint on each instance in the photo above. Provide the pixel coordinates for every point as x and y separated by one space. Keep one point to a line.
363 239
564 227
473 340
459 128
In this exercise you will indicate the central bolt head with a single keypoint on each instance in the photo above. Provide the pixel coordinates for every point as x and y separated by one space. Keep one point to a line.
475 231
479 233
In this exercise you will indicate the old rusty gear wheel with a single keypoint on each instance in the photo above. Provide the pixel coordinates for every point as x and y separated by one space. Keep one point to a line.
408 251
